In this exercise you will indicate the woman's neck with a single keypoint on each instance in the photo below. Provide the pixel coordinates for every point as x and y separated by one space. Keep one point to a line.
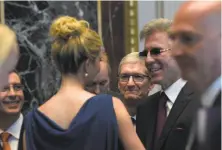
72 82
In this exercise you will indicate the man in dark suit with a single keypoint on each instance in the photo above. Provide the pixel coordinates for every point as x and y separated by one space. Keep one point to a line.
11 119
134 82
164 120
196 33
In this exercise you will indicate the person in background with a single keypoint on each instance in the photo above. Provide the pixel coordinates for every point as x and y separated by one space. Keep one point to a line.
164 119
134 82
101 83
196 35
11 95
75 118
11 118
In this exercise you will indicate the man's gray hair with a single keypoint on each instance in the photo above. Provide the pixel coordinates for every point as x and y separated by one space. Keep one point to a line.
160 24
131 58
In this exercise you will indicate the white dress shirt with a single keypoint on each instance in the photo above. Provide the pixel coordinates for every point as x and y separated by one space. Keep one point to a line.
172 92
134 117
14 130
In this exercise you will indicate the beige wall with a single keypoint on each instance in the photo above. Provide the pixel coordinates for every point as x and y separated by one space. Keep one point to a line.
147 10
170 8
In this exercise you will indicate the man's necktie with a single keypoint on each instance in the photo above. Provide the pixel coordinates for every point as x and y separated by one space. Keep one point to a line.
4 137
162 114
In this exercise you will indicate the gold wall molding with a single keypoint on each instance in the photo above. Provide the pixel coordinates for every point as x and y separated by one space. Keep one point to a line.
99 18
2 12
131 26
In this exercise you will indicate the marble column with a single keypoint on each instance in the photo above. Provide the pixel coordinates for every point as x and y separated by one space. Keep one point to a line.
31 21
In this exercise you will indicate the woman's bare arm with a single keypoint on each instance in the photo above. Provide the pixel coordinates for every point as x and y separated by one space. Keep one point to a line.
127 132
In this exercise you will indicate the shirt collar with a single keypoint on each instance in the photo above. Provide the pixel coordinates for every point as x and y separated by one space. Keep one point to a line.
15 128
173 91
134 117
211 92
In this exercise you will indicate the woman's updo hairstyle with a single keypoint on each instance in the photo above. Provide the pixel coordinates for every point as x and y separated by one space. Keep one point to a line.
73 43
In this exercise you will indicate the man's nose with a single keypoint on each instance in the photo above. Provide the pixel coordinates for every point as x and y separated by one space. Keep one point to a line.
12 94
130 81
149 58
11 91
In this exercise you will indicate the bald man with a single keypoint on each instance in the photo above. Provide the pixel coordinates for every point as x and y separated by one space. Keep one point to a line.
196 32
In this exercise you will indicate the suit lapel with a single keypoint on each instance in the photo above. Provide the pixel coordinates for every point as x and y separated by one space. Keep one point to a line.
180 104
217 102
151 114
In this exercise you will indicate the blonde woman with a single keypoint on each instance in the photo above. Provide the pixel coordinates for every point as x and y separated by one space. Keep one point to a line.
9 53
74 119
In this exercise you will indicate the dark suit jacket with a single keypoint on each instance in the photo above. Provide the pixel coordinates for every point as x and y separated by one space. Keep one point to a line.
212 130
20 145
176 130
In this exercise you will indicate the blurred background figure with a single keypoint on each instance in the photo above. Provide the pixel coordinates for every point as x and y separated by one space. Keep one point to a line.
101 83
197 48
134 82
11 118
79 119
11 94
9 53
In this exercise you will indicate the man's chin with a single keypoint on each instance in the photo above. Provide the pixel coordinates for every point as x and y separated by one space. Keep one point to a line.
156 80
10 111
131 97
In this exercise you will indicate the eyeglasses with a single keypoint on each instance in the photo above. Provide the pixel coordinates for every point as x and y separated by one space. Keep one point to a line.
16 87
136 77
153 51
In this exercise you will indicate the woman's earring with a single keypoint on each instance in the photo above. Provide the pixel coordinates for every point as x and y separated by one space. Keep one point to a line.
86 74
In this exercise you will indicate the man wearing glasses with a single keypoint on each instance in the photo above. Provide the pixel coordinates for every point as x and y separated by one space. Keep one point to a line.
11 119
134 82
164 120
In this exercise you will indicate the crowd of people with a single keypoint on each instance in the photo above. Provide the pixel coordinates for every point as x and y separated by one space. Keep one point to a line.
182 56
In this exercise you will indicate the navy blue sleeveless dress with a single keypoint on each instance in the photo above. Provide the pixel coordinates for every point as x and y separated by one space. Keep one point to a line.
93 128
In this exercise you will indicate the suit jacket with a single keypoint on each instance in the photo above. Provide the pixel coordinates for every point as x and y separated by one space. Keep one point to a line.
211 139
176 129
20 145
